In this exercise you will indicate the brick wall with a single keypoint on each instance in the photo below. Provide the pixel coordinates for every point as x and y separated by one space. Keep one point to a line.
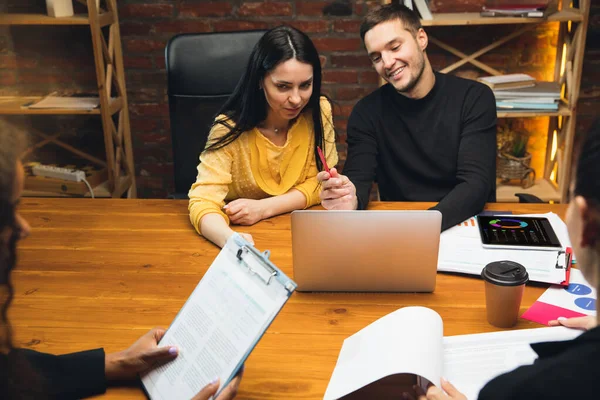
35 59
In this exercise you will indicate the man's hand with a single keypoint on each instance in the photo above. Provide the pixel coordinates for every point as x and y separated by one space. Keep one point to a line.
228 393
337 191
245 211
141 356
583 323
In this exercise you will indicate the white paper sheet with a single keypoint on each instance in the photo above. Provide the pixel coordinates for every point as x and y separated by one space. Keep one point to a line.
222 319
409 340
470 361
461 251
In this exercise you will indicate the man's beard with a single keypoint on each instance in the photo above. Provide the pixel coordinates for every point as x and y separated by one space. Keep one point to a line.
414 80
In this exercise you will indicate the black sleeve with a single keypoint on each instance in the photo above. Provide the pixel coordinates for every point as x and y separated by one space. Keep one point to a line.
511 385
70 376
476 169
361 161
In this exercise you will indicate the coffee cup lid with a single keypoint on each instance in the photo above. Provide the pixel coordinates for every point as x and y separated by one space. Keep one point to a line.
505 273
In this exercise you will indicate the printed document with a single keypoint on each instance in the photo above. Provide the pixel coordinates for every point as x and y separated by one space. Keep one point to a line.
218 326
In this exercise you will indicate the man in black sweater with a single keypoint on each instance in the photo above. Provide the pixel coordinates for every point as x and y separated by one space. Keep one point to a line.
423 136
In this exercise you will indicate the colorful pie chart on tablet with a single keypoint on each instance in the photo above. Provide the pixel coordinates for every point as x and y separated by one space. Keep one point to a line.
506 223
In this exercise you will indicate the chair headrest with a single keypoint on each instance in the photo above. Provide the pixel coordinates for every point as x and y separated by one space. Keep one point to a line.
208 63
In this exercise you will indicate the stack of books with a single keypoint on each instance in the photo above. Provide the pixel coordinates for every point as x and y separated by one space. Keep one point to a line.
516 9
521 92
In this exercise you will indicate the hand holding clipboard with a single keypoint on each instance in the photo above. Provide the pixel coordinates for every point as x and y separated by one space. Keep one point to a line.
223 319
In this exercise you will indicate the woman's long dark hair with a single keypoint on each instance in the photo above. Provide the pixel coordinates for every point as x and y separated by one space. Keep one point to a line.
11 146
17 378
247 106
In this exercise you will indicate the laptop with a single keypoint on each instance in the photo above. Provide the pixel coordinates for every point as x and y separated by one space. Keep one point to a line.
365 250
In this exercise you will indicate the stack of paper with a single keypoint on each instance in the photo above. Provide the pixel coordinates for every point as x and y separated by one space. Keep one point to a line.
542 96
461 251
72 103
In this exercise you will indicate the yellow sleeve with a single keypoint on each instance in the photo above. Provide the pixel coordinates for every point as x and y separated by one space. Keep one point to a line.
310 187
207 194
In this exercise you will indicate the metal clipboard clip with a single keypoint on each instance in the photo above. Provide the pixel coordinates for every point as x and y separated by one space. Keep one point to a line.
565 255
568 257
253 261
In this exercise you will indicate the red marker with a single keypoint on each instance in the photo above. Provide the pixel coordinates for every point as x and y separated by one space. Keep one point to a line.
323 160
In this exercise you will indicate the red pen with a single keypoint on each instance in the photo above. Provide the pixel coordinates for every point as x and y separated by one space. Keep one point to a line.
323 160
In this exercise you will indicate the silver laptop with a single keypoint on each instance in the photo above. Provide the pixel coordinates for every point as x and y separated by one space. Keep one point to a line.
366 251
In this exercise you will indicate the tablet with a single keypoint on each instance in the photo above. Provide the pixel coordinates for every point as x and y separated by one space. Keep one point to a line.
516 232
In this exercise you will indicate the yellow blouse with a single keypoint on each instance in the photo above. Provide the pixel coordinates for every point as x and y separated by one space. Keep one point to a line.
253 167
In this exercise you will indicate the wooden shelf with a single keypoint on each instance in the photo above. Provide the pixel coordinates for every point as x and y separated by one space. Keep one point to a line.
542 189
563 110
104 19
456 19
100 191
13 105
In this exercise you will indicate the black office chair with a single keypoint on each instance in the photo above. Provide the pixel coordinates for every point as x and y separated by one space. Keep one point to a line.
203 69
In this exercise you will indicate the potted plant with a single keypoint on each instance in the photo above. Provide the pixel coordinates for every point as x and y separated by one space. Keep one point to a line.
513 161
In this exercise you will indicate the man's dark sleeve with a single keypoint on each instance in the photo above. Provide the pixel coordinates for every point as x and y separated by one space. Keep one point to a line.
476 169
361 161
69 376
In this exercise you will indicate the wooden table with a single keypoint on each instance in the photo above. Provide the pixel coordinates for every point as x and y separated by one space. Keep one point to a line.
100 273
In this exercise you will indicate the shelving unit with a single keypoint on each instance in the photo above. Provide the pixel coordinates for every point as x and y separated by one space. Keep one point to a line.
113 110
573 22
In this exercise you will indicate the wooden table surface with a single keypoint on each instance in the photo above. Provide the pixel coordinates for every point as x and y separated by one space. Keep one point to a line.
100 273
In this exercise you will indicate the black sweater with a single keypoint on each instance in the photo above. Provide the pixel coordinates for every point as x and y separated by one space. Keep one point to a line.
439 148
564 370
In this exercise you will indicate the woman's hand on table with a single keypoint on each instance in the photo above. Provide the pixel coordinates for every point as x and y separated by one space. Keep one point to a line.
583 323
245 211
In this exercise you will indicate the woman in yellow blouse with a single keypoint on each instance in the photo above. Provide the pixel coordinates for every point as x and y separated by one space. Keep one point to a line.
261 156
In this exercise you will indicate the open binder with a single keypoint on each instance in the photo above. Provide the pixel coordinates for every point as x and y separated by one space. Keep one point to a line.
221 322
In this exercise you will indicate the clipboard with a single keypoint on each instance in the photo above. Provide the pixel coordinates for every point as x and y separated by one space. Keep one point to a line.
461 252
567 264
224 318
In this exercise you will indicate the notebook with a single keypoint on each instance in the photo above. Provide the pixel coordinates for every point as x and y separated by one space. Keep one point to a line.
221 322
365 250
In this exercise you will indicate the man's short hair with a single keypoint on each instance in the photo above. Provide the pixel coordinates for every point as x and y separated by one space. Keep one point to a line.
390 12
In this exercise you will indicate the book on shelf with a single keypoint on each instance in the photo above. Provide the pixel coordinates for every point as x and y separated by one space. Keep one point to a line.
422 7
407 347
540 89
518 105
509 81
523 9
521 14
540 100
